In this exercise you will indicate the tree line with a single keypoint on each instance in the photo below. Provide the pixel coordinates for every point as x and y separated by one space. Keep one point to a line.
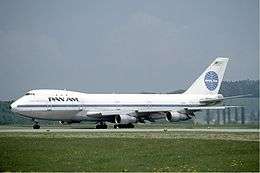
241 87
233 88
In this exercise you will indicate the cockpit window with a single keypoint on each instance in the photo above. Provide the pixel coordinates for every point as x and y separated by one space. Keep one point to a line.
29 94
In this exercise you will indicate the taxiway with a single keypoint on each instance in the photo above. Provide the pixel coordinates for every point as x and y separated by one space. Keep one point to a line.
131 130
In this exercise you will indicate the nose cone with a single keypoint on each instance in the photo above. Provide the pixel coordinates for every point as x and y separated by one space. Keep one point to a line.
13 107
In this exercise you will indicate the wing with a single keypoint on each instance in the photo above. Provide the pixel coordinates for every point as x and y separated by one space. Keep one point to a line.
150 114
135 112
107 113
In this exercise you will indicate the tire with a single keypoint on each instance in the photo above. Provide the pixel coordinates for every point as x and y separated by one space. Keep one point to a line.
130 125
124 126
101 126
36 126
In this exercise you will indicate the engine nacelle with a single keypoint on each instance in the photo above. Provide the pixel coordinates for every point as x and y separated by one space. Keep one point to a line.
125 119
175 116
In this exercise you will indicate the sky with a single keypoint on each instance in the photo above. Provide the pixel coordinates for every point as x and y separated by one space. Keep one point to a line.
123 46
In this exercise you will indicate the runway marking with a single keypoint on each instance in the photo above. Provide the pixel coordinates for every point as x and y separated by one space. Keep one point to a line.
130 130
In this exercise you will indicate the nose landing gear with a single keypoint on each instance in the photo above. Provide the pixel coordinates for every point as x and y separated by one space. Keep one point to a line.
36 124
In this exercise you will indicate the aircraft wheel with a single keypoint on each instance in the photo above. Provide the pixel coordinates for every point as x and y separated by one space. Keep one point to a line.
36 126
104 126
130 125
101 126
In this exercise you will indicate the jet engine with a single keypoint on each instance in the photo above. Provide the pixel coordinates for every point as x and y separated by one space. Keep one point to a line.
175 116
125 119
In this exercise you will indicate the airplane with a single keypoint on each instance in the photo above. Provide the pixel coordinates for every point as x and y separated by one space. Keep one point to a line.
123 110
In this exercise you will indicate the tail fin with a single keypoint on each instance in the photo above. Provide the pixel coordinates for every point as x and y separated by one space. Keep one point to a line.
210 80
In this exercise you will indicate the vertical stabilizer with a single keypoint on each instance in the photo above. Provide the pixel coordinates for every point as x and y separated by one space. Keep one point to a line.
210 80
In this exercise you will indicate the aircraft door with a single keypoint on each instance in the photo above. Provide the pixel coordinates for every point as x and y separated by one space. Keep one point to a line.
81 107
49 106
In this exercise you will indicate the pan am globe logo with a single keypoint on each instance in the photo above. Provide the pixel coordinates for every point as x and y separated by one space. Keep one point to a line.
211 80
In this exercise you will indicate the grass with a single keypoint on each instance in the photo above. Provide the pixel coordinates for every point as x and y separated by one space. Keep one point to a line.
154 135
127 152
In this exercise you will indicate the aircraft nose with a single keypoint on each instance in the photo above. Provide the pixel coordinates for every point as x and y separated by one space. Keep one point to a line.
13 107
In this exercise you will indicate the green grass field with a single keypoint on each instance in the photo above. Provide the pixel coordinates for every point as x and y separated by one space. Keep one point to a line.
153 151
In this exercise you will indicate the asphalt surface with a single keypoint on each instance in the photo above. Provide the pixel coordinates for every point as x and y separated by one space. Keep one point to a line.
131 130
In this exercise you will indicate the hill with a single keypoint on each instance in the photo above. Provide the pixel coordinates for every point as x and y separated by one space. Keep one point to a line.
241 87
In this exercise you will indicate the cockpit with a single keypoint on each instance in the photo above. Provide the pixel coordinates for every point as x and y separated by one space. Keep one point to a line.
30 93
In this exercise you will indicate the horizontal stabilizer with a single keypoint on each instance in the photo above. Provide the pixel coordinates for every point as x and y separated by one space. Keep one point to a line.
200 108
215 100
238 96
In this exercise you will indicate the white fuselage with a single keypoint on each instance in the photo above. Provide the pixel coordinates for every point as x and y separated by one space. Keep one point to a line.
68 105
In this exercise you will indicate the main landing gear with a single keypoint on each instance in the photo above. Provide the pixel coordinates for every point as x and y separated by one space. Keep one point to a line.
130 125
36 124
101 125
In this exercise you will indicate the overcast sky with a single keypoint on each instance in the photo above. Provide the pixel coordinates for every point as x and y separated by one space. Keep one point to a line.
124 46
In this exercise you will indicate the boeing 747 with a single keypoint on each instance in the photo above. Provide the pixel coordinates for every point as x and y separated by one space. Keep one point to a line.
124 109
